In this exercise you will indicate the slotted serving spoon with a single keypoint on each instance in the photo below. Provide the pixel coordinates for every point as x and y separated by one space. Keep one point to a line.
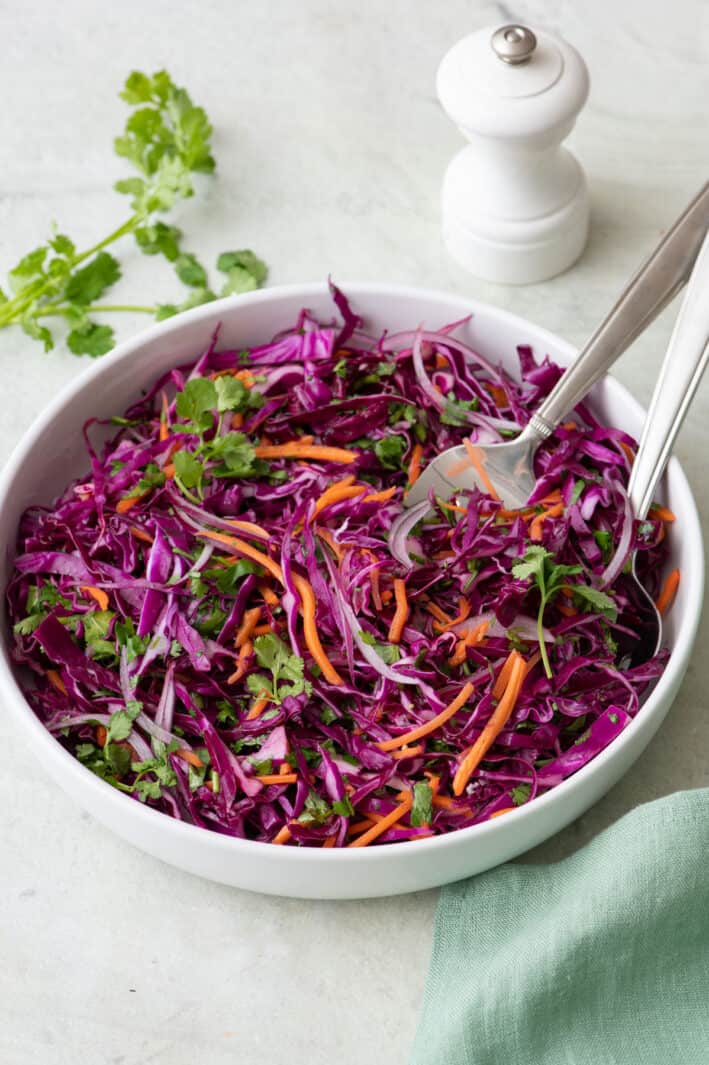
510 465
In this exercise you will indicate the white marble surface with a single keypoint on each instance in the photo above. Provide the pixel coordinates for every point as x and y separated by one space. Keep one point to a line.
331 147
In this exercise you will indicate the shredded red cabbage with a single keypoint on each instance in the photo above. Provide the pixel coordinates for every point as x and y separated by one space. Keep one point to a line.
253 678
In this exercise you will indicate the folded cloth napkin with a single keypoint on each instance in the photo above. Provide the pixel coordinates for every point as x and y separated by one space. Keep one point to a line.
599 959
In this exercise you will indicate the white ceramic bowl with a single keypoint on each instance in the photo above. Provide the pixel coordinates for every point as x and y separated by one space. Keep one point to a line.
52 453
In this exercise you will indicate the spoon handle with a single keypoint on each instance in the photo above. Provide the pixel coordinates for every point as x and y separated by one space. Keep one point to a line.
657 281
680 374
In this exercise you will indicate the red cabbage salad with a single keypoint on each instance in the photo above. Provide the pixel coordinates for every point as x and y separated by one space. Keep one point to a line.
212 620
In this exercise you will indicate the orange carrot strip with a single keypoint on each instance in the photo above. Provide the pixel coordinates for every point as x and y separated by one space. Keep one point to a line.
237 420
128 502
500 715
54 678
499 813
402 611
662 514
535 528
463 613
164 429
408 752
140 534
190 757
628 452
386 822
307 599
330 841
360 826
169 470
451 506
472 637
284 769
414 470
265 629
278 778
504 675
296 450
246 377
250 527
498 394
97 594
269 596
476 459
335 494
258 708
570 426
430 726
380 497
245 653
444 803
246 549
669 590
249 623
282 836
441 361
438 614
101 735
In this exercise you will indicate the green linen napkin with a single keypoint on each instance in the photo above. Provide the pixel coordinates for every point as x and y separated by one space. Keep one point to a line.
599 959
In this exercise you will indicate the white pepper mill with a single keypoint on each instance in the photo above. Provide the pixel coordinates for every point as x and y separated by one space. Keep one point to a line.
515 202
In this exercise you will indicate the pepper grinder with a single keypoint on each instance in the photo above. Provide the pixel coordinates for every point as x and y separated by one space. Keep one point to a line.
515 202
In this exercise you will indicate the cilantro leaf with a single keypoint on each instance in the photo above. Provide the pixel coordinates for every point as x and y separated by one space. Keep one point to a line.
189 471
237 455
315 811
232 394
244 271
595 600
286 670
190 271
90 339
159 239
520 794
390 451
422 809
196 403
86 284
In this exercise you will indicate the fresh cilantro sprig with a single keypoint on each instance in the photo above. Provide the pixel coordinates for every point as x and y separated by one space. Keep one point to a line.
286 671
167 140
549 578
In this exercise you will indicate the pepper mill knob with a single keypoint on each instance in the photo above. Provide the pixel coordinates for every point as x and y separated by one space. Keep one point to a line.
515 202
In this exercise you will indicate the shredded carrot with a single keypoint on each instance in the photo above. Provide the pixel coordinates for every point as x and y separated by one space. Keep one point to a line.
500 715
249 623
463 613
97 594
250 527
443 802
246 377
282 836
402 611
258 708
658 513
498 394
246 549
387 596
306 593
54 678
437 613
360 826
570 426
381 827
430 726
140 534
284 769
294 449
169 470
441 361
237 420
414 471
190 757
552 497
307 599
476 458
628 452
336 493
101 735
245 653
535 527
504 675
438 555
164 428
408 752
330 841
499 813
128 502
450 506
669 590
434 781
472 637
269 596
381 497
278 778
567 610
265 629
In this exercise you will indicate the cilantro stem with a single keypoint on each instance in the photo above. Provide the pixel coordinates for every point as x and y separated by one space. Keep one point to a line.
54 310
127 227
540 637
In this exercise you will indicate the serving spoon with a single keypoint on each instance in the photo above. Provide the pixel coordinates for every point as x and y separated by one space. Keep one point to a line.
681 371
509 466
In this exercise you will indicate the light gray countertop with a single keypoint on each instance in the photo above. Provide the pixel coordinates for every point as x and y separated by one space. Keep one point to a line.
331 147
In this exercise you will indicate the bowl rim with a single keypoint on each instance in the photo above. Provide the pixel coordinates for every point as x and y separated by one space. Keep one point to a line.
190 834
